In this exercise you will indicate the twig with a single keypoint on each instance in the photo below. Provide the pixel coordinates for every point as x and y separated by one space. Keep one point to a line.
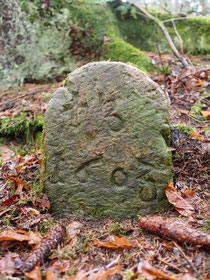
142 14
186 258
172 19
180 39
161 61
169 265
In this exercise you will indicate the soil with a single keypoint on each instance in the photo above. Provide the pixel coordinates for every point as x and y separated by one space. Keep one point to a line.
86 251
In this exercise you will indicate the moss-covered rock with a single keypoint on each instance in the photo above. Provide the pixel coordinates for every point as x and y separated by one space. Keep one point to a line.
195 40
144 33
106 144
41 41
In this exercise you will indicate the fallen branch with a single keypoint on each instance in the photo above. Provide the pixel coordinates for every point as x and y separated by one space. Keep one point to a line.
175 231
167 20
165 32
179 37
51 241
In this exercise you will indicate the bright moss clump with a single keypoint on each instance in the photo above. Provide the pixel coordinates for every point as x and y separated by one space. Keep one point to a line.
23 126
119 50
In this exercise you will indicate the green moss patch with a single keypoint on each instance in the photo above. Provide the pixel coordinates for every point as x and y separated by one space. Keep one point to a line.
23 126
143 33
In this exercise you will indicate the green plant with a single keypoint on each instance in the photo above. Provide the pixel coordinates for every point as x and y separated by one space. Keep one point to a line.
183 128
205 95
116 228
196 109
23 126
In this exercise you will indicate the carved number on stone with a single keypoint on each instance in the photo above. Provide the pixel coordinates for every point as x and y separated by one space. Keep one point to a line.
147 193
81 172
115 122
119 177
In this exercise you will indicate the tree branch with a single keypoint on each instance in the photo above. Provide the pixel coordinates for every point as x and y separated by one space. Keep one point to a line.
177 34
165 32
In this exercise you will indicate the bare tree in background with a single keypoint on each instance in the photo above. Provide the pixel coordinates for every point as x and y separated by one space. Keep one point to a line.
177 6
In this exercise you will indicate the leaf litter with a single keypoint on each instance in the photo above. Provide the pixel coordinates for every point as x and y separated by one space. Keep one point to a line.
109 249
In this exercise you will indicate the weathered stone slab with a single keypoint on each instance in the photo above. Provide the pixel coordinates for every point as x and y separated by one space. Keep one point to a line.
107 143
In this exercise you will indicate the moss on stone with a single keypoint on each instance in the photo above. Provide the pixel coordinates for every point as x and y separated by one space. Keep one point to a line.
119 50
48 41
143 33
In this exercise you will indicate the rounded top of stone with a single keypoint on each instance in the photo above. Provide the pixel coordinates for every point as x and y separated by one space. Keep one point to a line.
105 66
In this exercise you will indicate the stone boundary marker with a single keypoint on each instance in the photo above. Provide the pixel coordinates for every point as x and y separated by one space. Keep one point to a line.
106 144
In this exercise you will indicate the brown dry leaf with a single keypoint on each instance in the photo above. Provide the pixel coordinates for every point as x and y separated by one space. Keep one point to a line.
180 204
31 237
206 114
188 193
61 265
186 276
19 182
10 200
184 112
199 83
80 276
7 264
43 201
35 274
6 153
149 272
101 274
196 136
116 242
20 185
50 275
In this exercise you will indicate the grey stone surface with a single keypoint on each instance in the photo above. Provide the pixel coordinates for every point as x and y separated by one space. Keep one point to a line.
106 143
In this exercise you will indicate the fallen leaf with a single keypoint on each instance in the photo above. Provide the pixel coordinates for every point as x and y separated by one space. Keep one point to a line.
10 200
116 242
20 185
6 153
95 274
35 274
43 201
19 182
149 272
206 114
180 204
7 264
188 193
61 265
187 276
50 275
184 112
31 237
196 136
199 83
103 275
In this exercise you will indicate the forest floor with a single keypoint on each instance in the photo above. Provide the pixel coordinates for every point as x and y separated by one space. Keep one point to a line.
106 249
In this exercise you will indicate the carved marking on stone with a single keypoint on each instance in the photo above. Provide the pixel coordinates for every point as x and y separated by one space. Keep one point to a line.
82 172
119 177
115 122
147 193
